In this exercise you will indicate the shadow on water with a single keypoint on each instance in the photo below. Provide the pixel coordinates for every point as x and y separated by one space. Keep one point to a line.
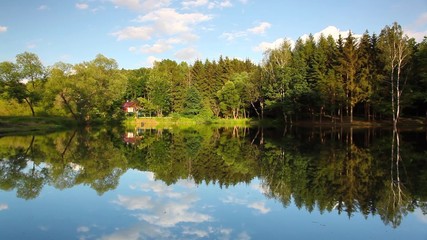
369 171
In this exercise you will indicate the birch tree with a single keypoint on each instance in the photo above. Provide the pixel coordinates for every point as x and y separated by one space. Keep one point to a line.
396 53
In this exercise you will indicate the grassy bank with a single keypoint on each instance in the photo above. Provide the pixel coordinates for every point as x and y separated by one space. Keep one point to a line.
169 122
25 124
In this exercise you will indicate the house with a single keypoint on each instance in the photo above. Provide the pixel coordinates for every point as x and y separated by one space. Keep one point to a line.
130 107
131 138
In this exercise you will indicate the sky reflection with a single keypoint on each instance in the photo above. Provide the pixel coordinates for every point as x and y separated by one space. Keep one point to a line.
144 208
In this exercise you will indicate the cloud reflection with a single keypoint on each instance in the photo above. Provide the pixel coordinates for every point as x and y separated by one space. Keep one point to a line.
258 205
172 212
3 206
421 216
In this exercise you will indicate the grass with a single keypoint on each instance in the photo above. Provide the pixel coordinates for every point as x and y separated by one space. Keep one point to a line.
183 122
26 124
169 122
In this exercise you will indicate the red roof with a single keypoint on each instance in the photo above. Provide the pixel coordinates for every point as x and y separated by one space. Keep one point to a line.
129 104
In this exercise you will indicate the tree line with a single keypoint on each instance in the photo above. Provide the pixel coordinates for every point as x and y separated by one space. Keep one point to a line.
372 77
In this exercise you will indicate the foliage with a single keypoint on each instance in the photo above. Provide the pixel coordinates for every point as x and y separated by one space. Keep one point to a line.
193 102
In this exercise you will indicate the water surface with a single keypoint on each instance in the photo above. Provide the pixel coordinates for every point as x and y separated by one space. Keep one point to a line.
209 183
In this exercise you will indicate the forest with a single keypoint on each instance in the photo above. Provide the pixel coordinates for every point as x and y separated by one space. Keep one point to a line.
374 77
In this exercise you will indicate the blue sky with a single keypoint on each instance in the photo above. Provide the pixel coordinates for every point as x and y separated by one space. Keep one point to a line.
137 32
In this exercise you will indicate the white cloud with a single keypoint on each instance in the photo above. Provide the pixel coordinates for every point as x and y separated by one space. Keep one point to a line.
187 54
257 30
3 29
244 1
151 60
230 36
43 7
264 46
417 35
260 206
133 49
167 24
142 5
225 4
333 31
82 6
131 4
83 229
220 4
163 45
194 3
417 30
158 47
161 23
260 29
143 33
4 206
169 21
330 30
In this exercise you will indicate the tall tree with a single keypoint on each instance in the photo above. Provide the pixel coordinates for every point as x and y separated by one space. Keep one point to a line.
396 52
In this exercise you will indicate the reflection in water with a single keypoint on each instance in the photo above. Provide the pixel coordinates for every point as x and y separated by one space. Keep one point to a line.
349 171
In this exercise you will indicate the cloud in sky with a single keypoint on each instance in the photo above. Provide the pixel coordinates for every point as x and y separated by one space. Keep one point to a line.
187 54
168 21
418 29
82 6
142 5
43 7
330 30
3 29
333 31
194 3
257 30
151 60
142 33
260 29
163 22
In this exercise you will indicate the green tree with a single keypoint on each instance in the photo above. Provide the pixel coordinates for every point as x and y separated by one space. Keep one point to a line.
23 80
31 70
193 104
229 100
159 89
60 87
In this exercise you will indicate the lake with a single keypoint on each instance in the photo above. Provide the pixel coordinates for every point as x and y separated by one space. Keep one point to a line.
215 183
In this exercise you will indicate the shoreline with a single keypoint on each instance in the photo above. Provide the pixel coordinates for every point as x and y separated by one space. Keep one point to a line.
28 124
165 122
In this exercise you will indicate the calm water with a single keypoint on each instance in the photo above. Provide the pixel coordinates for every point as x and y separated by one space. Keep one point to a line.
208 183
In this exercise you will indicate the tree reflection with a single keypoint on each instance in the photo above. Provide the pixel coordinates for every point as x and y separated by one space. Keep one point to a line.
342 170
